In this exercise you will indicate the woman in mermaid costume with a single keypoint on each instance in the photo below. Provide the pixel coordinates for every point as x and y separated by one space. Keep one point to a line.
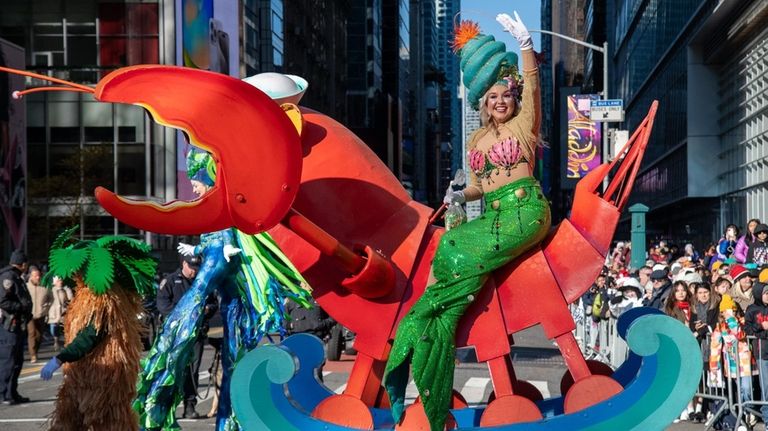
501 157
253 278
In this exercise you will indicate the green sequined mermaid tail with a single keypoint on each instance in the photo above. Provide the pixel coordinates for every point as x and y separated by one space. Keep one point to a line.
466 255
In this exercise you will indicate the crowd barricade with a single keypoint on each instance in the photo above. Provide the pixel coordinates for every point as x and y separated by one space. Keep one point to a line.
741 407
600 341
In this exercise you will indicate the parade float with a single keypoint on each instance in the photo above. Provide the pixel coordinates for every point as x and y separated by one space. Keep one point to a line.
365 246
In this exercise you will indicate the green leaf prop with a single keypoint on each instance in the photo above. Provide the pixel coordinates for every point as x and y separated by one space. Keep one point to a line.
103 263
68 261
99 274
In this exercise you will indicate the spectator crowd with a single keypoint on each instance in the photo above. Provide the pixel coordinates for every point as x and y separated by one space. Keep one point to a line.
719 294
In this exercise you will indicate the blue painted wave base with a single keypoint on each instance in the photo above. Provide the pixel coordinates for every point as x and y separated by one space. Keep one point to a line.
275 387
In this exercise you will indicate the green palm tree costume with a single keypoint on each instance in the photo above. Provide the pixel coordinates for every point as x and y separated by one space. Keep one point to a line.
517 218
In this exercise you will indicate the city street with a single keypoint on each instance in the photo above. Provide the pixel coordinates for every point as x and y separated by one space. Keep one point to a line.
536 359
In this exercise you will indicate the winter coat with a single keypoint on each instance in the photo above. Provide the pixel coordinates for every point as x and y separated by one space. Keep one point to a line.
61 297
312 320
743 299
742 247
756 314
620 304
15 303
758 253
728 337
659 296
725 249
41 300
709 318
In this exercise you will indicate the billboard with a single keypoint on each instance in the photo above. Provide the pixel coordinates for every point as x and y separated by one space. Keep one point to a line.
13 148
206 38
583 139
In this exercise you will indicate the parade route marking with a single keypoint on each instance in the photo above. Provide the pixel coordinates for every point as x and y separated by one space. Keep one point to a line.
31 370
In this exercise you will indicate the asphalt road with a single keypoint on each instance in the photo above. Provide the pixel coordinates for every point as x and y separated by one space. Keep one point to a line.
536 359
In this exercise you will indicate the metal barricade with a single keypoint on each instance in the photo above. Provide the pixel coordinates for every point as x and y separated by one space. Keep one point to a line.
744 400
714 389
598 340
724 394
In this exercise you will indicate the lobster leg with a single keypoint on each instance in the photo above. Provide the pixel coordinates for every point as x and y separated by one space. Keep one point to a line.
590 385
572 356
507 407
351 408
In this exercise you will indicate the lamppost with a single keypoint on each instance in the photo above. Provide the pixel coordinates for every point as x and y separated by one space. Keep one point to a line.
604 50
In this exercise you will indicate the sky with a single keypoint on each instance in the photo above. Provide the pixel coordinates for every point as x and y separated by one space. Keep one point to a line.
484 12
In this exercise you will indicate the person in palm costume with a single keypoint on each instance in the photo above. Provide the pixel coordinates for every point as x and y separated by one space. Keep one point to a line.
101 332
253 278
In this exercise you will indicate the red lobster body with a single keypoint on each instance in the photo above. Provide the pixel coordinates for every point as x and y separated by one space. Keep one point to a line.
346 190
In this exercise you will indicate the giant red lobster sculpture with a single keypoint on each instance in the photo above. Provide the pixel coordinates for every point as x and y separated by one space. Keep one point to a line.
322 188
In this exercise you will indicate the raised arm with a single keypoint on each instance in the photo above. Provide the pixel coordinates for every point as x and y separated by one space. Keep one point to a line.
527 123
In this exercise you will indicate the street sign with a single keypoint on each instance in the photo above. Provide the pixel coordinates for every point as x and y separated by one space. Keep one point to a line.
611 110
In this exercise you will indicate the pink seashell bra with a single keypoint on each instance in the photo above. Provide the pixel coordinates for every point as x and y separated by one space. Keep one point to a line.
503 155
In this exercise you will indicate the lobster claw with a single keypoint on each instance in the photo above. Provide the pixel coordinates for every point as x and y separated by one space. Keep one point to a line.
256 148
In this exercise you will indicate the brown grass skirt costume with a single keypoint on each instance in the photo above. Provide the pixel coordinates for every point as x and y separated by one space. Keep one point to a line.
101 331
98 389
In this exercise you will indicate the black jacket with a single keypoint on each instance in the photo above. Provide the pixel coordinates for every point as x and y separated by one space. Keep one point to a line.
709 318
172 288
756 314
659 296
314 320
758 253
15 301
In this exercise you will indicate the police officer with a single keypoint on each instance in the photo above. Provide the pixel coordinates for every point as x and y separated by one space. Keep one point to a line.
15 312
171 289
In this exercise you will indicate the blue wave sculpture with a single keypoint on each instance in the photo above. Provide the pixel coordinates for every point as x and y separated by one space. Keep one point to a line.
276 388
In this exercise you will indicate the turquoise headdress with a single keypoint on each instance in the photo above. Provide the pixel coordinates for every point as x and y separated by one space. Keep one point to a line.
201 167
485 62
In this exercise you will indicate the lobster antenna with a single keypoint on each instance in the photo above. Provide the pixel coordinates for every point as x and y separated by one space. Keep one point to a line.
68 86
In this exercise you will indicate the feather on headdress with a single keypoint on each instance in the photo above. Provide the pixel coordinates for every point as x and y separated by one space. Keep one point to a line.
463 33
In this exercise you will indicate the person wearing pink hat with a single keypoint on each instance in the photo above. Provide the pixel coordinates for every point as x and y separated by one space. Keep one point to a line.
741 291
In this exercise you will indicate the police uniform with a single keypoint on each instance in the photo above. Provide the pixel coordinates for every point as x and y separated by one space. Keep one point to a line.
15 312
169 293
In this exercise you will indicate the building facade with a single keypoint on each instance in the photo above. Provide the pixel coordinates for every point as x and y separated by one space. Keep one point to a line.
705 166
450 95
74 143
316 50
562 73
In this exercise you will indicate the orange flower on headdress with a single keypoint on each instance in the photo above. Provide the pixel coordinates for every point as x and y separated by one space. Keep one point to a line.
463 33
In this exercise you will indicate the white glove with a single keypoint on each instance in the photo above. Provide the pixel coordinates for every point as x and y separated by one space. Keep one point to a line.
517 28
456 197
185 249
230 251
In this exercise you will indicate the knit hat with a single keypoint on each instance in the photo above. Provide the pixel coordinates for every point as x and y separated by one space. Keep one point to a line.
761 228
737 272
726 303
763 278
692 277
716 265
631 283
18 257
675 268
484 61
